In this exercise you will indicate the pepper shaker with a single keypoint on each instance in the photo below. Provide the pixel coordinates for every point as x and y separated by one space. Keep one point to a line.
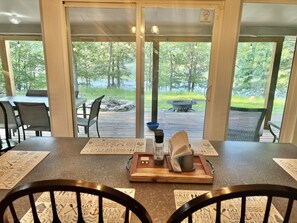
159 147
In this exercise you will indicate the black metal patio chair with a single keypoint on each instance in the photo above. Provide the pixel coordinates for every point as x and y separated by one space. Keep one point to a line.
93 116
245 123
5 143
34 117
14 122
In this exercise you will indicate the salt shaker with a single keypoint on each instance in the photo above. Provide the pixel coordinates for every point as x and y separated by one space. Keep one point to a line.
159 147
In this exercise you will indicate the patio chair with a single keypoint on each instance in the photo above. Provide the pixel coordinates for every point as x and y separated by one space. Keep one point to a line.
42 93
82 193
274 130
93 117
6 143
14 122
36 93
219 211
34 117
245 124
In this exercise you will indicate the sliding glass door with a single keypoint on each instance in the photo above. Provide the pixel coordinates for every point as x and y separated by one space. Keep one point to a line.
177 47
264 61
103 58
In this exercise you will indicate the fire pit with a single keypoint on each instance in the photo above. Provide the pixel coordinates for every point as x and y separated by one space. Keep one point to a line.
181 105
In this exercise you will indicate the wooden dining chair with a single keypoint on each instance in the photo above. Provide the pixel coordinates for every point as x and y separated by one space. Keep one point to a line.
80 202
245 123
34 117
93 117
219 196
5 143
14 122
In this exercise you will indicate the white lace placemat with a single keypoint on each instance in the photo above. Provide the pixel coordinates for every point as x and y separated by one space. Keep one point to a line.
203 147
14 165
67 207
230 210
114 146
289 165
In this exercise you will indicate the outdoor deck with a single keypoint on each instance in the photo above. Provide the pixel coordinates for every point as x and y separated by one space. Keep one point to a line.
122 124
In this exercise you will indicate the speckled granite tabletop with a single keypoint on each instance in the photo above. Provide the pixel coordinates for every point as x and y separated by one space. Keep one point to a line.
237 163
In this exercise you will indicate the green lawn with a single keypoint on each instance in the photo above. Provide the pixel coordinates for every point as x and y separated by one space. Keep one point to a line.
249 102
238 101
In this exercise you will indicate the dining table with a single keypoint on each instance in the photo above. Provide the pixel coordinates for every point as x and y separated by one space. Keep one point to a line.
237 163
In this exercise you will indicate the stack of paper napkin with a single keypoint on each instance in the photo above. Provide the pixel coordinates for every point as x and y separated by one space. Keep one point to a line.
178 147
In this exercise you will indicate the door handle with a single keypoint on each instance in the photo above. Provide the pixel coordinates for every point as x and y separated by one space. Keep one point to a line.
206 93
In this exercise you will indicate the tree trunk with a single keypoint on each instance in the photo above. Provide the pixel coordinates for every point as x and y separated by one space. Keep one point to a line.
149 72
171 73
109 65
118 73
191 67
74 71
112 75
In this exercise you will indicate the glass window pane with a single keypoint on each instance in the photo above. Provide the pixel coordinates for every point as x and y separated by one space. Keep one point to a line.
28 66
264 60
178 42
104 64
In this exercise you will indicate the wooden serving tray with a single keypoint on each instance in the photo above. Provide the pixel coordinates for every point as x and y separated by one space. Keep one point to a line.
148 172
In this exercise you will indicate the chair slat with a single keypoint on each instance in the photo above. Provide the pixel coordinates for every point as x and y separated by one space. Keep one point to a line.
80 218
218 212
100 209
13 213
267 210
33 208
243 208
288 211
126 215
54 208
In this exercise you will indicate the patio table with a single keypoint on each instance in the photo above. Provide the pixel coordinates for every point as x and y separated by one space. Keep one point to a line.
78 101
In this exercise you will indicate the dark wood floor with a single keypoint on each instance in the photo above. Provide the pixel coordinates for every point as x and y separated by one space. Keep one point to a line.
122 124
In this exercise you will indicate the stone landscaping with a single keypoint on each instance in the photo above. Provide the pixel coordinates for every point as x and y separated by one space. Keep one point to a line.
117 105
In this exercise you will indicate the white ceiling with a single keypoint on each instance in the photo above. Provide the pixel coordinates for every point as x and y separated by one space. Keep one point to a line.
27 11
257 19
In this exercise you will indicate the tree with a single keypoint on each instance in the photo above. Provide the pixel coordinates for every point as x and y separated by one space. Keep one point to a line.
285 68
28 64
87 61
186 65
252 68
106 60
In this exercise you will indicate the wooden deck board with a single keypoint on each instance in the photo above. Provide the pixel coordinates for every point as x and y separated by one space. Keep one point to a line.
122 124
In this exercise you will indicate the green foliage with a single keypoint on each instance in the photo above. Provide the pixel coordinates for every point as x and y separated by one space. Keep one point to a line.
107 60
28 64
285 68
252 68
184 65
102 67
